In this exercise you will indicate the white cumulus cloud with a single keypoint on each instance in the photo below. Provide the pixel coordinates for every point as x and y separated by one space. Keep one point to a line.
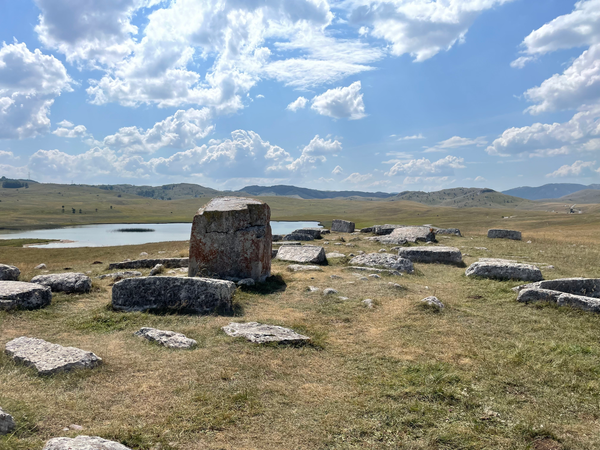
578 168
423 166
297 104
341 102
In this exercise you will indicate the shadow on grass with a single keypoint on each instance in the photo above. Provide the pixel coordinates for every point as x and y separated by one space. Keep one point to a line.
272 285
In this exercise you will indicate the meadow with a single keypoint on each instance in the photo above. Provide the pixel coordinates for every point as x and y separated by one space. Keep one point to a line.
485 373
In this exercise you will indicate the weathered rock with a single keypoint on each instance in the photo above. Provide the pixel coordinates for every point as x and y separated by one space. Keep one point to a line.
19 295
83 443
144 254
40 266
261 333
402 235
200 295
9 273
120 275
375 276
442 255
166 338
579 302
313 289
433 302
588 287
316 233
231 239
384 260
157 270
334 255
71 283
169 263
48 358
504 271
288 243
296 236
303 268
384 230
329 291
368 303
7 423
246 282
366 230
497 233
342 226
276 237
374 270
538 295
305 254
448 231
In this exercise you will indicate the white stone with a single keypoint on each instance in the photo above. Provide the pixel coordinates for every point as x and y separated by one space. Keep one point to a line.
167 338
262 333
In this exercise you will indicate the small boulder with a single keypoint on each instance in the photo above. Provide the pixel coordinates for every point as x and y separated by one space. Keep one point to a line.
402 235
384 260
496 233
329 291
342 226
374 275
433 302
144 254
9 273
313 289
48 358
157 270
368 303
302 268
334 255
262 333
7 423
40 266
83 443
166 338
442 255
296 236
246 282
504 271
71 283
120 275
19 295
169 263
310 254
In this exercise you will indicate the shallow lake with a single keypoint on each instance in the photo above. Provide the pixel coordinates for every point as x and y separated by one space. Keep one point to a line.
108 234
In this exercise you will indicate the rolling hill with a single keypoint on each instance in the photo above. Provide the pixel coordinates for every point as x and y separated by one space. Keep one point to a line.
166 192
582 197
548 191
463 198
308 194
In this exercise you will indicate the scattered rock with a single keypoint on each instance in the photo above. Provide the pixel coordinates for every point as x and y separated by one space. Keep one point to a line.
143 254
342 298
402 235
529 242
433 302
70 283
366 230
363 279
306 254
296 236
40 266
246 282
382 250
360 252
497 233
302 268
48 358
169 263
589 287
231 239
504 271
580 293
7 423
315 233
19 295
395 285
262 333
75 427
342 226
337 243
368 303
83 443
276 237
157 270
313 289
335 277
383 230
374 275
120 275
372 269
100 262
442 255
166 338
448 231
200 295
334 255
384 260
9 273
329 291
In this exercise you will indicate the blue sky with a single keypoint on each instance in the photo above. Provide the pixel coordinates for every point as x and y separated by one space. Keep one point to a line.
351 94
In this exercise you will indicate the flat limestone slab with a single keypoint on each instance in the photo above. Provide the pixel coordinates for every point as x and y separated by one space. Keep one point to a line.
261 333
200 295
71 283
334 255
20 295
48 358
7 423
83 443
120 275
342 226
587 287
308 254
373 270
497 233
384 260
168 339
169 263
9 273
504 271
442 255
303 268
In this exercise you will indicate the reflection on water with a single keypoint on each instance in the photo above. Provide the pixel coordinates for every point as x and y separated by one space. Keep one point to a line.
107 235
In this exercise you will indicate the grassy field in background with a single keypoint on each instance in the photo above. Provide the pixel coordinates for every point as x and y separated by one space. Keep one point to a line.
486 373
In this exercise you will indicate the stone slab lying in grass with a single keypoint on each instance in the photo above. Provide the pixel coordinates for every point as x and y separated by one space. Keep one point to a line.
560 298
303 268
295 236
48 358
7 423
121 275
497 233
308 254
166 338
20 295
70 283
588 287
402 235
261 333
9 273
342 226
442 255
83 443
433 302
169 263
384 260
334 255
504 271
448 231
200 295
374 270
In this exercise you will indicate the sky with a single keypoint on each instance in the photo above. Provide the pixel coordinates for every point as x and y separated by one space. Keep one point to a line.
372 95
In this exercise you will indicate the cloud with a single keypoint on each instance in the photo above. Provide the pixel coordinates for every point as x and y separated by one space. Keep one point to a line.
314 154
411 138
341 102
580 133
423 166
297 104
29 83
357 178
337 170
66 124
456 142
260 96
578 168
521 61
71 131
181 130
480 179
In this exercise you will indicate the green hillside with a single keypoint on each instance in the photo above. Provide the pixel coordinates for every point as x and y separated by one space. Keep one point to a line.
464 198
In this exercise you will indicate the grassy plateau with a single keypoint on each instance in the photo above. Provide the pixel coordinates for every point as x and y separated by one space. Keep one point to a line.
485 373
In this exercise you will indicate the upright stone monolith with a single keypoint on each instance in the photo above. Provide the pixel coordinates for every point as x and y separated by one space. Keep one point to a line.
231 239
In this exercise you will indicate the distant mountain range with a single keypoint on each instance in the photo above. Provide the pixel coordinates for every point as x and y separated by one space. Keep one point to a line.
549 191
298 192
463 198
